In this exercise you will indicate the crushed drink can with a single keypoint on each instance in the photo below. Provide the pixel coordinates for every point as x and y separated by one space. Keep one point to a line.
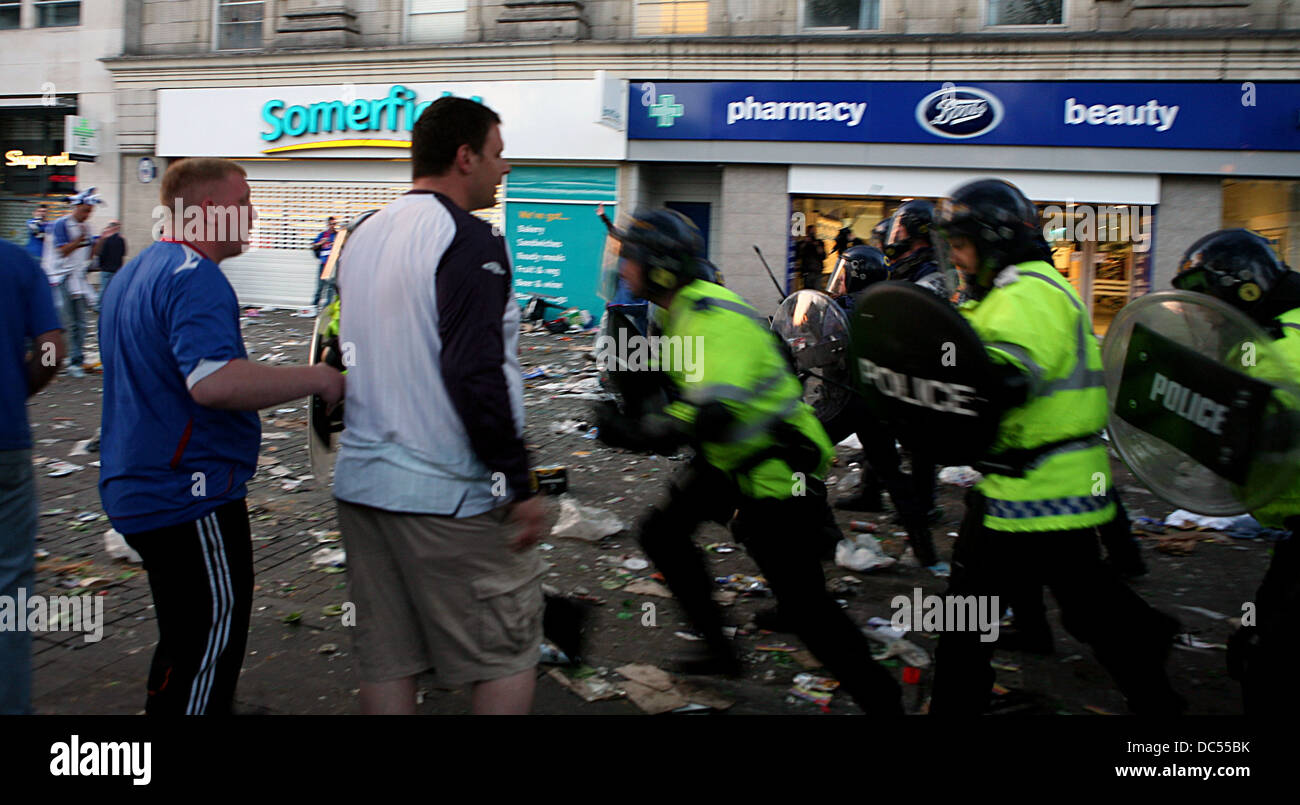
550 480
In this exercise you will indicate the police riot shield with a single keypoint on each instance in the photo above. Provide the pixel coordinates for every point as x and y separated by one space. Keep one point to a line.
923 371
637 387
817 332
1203 409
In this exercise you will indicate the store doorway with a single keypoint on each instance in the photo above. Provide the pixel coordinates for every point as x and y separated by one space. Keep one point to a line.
698 212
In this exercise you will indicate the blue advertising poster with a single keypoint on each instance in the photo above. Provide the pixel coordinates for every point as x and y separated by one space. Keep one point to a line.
556 240
1258 116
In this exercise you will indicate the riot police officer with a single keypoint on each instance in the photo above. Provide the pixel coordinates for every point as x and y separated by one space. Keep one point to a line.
1238 267
912 493
761 456
1032 519
908 245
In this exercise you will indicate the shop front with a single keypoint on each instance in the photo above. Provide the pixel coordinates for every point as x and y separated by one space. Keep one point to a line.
321 151
37 170
1096 157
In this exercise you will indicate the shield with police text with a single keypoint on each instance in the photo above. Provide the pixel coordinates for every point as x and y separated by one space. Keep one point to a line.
1203 408
816 330
923 370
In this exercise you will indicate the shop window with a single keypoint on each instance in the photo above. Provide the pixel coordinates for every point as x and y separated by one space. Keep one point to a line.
436 20
9 15
239 24
1271 208
1026 12
56 13
669 17
841 15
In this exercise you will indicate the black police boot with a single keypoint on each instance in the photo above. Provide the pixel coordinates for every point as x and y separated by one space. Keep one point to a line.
772 620
866 500
719 659
563 620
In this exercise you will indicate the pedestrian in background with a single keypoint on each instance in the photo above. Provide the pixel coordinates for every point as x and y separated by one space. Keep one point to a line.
65 260
26 315
36 227
321 247
181 437
110 248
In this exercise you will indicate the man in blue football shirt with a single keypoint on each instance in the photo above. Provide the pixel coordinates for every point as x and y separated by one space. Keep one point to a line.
181 432
26 317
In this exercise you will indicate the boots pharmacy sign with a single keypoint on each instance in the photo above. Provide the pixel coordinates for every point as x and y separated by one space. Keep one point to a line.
1221 115
375 120
81 137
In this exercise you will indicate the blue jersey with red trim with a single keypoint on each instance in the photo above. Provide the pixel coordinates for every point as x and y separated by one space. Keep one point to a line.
170 319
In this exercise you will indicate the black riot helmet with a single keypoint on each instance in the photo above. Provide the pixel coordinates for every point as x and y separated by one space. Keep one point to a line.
1240 267
667 244
863 267
1001 223
909 223
878 232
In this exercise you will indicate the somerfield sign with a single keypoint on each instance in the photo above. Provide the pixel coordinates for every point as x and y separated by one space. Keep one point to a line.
397 111
540 120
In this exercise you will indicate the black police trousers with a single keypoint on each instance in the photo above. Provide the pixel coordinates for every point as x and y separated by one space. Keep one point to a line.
1129 638
1264 657
912 494
785 539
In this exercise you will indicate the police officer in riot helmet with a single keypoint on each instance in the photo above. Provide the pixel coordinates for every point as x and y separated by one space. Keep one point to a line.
876 239
760 459
860 267
908 246
1033 517
1238 267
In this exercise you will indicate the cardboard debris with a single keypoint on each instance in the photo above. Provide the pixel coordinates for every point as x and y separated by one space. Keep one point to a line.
647 587
591 689
657 691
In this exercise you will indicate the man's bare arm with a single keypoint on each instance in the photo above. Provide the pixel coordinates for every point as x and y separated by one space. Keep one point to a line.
43 362
243 385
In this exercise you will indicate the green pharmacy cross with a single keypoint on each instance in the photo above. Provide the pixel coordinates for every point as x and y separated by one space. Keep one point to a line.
665 110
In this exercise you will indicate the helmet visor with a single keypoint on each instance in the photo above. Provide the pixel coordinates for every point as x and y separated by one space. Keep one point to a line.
838 283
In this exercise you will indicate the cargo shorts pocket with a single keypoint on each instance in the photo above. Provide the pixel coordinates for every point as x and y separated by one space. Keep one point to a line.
509 604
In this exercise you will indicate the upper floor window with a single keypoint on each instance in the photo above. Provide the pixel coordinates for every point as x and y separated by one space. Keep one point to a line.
842 15
239 24
9 14
55 13
1026 12
665 17
436 20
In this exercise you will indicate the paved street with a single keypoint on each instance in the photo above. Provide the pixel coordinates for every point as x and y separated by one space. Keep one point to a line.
299 654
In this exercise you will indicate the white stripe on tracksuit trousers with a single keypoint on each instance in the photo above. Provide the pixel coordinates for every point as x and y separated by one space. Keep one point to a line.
212 546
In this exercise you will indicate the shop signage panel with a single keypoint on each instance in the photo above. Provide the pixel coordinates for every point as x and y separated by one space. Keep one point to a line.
1259 116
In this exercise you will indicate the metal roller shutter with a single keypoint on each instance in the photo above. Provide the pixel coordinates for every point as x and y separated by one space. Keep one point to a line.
279 268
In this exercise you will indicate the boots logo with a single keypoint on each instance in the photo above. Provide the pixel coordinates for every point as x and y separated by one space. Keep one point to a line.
959 112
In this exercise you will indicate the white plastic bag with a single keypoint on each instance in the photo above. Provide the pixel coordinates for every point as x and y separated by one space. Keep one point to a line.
117 548
585 522
862 553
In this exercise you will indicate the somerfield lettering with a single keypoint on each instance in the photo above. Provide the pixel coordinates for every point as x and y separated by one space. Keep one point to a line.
397 111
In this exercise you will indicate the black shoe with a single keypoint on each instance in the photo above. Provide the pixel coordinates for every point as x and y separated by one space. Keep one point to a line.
1035 642
772 620
563 620
862 502
707 661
